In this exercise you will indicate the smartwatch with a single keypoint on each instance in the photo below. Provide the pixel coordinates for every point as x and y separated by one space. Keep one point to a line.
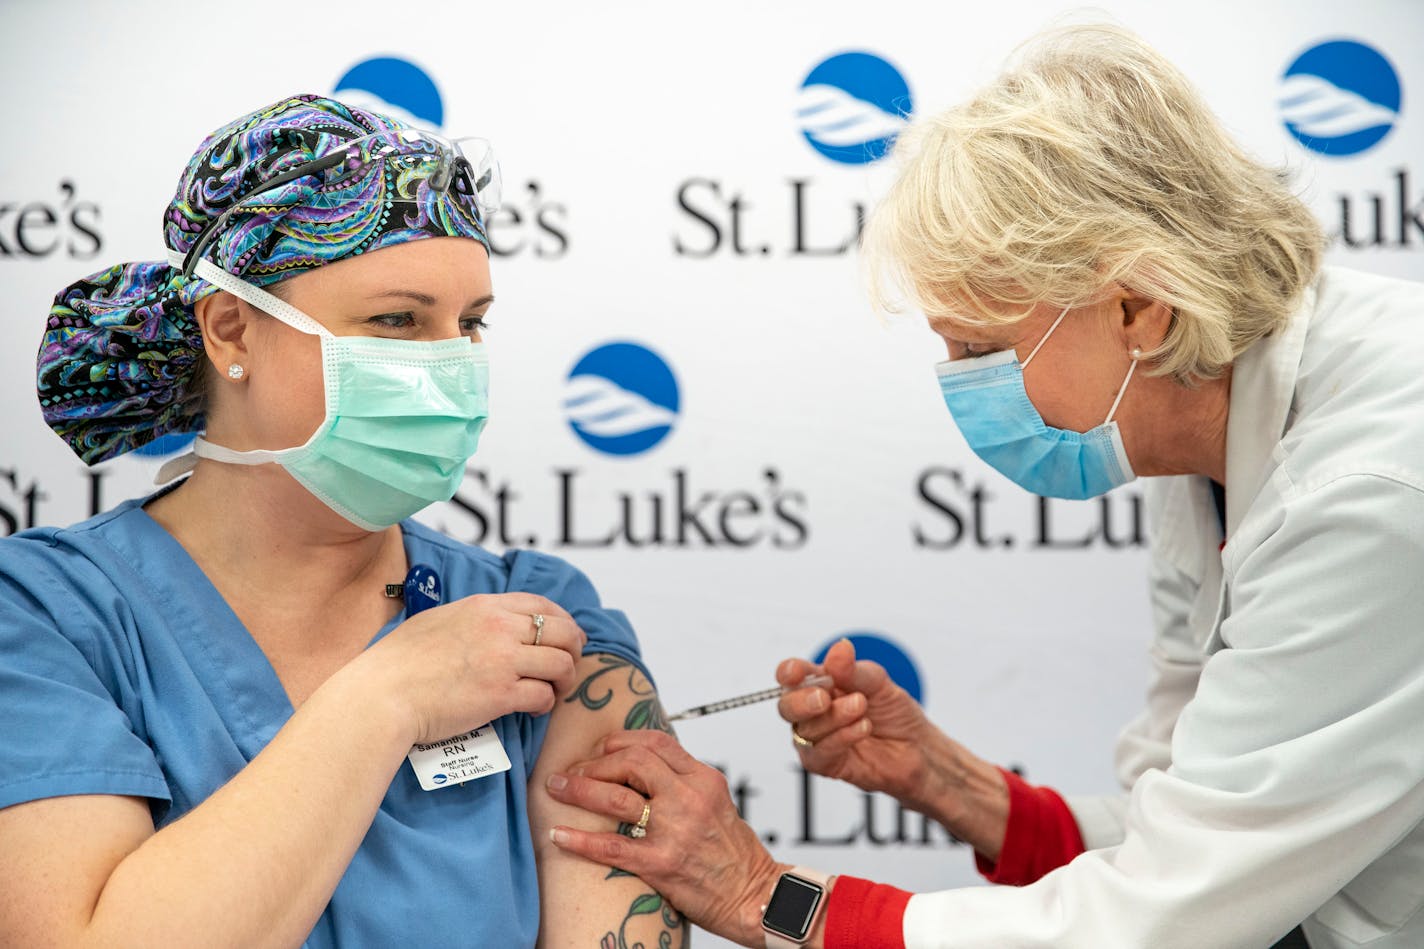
796 902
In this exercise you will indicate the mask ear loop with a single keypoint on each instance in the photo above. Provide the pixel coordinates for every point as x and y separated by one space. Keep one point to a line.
1044 338
1131 368
271 305
251 293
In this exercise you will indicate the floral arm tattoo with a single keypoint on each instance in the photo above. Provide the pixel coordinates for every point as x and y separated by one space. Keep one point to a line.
647 712
669 925
649 916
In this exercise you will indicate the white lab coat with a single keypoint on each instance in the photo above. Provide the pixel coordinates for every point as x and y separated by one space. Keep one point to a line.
1277 773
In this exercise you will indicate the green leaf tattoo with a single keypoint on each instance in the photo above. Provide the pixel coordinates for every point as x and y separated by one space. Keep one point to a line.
646 904
647 713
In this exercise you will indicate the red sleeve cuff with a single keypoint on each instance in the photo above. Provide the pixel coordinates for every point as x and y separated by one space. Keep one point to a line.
1042 835
865 915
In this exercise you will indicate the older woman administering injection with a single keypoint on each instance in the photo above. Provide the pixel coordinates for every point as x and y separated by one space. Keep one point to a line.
1122 293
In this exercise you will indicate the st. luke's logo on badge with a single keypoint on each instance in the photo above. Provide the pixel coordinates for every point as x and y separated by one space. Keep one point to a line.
851 107
1340 97
890 655
621 399
394 87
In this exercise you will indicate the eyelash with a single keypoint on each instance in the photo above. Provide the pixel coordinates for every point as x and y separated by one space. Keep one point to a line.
394 321
468 324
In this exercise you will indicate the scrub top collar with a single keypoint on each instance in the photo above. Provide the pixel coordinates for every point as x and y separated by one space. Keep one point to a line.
225 656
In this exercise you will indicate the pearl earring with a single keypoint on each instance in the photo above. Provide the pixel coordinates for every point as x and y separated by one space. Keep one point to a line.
235 371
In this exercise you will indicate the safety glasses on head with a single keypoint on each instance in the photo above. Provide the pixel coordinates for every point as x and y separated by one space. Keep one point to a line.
393 168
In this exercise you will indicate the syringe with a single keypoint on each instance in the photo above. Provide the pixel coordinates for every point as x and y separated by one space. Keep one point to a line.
752 698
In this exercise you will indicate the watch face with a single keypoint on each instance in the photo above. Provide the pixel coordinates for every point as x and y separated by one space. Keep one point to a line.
792 906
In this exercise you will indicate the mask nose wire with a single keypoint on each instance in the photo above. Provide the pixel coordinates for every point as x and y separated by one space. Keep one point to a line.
1044 338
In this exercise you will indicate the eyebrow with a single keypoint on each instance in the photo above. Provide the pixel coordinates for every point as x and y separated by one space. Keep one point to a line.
945 324
425 299
961 332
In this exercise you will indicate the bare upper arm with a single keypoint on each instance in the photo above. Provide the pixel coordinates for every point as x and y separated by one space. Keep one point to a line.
583 903
58 854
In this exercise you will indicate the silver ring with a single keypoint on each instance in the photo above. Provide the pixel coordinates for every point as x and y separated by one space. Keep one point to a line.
538 619
799 741
640 830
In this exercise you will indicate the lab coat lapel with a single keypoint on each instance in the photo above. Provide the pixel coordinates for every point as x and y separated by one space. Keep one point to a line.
1262 387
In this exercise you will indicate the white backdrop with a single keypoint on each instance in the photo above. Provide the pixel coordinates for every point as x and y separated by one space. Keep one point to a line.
662 193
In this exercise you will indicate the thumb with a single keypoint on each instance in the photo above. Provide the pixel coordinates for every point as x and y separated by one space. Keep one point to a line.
872 679
840 665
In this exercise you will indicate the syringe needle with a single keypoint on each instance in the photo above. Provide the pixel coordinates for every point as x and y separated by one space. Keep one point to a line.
751 698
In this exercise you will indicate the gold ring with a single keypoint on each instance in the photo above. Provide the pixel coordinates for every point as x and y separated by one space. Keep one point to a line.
538 619
799 741
640 829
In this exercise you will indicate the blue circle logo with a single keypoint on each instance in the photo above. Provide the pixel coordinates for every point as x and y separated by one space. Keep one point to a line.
621 399
1340 97
439 778
393 87
852 106
885 651
165 445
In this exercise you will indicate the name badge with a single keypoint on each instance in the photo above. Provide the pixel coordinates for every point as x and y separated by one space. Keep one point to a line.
466 757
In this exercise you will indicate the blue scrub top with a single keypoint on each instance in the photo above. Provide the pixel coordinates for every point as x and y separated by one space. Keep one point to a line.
123 671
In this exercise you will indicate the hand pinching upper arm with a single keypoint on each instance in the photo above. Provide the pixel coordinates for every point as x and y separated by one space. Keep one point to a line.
585 904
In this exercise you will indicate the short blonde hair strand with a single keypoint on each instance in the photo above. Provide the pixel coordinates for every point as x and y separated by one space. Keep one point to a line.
1093 162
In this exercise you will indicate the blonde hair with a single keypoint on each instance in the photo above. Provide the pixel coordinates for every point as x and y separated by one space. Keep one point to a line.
1093 162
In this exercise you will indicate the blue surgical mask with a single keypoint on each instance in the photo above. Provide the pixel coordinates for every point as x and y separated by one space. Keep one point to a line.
987 398
402 418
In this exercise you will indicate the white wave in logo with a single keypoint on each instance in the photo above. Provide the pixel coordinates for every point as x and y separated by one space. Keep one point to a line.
371 102
602 408
1321 109
834 117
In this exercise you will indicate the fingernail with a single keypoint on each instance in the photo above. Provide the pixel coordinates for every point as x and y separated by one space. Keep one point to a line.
557 782
818 701
559 836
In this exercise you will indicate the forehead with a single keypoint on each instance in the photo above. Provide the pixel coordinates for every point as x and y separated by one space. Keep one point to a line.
442 267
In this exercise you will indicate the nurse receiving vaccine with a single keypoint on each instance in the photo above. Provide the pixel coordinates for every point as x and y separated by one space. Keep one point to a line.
1123 293
263 707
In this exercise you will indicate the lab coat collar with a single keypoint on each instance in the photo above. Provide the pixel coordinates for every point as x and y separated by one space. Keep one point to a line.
1263 382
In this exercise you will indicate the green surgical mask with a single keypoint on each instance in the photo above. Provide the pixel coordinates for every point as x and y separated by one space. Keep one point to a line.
402 418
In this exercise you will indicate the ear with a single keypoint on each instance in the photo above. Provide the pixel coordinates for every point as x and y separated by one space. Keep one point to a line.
1145 321
227 331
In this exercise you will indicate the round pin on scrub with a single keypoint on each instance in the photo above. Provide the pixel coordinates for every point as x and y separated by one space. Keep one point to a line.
422 589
